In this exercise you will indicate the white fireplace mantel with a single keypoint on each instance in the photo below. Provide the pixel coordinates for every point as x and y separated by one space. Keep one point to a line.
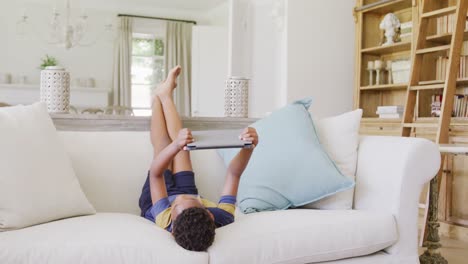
81 97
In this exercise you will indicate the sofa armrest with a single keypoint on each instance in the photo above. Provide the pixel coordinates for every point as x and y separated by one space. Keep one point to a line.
391 173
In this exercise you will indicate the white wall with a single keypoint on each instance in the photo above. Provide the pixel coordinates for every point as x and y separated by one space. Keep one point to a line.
320 54
311 56
268 55
209 70
239 46
21 56
306 49
217 16
210 62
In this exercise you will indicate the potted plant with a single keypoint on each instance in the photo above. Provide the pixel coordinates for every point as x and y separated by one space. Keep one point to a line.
48 61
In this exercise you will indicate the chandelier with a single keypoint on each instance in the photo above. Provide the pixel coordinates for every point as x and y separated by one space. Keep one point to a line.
63 31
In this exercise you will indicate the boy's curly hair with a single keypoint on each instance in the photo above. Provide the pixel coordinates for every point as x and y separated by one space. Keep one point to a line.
194 229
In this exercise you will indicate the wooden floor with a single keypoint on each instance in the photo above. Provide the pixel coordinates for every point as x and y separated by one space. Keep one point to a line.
455 251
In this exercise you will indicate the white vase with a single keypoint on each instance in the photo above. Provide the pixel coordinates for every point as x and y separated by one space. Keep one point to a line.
236 97
55 89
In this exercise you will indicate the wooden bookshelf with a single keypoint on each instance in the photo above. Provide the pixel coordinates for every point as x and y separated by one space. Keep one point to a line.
369 14
456 121
384 6
381 120
444 38
385 87
382 50
460 82
368 96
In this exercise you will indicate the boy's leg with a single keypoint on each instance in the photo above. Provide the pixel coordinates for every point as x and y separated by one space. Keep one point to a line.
159 136
159 139
182 160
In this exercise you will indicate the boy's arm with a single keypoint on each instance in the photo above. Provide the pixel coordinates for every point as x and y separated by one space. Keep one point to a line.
239 163
162 161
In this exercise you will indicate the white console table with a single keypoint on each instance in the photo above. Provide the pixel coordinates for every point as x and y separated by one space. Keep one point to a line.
81 97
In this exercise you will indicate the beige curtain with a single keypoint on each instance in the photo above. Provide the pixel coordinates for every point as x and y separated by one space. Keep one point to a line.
179 52
122 88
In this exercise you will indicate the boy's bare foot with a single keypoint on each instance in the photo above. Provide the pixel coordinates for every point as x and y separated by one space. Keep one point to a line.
165 88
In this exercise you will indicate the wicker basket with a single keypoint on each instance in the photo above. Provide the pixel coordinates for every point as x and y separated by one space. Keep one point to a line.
55 89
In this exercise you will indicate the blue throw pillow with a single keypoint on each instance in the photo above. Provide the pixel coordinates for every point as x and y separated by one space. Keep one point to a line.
289 167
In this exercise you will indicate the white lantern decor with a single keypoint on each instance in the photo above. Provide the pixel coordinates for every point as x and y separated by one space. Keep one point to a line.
236 97
55 89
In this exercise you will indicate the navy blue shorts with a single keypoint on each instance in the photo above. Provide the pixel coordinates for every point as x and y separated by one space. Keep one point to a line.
182 182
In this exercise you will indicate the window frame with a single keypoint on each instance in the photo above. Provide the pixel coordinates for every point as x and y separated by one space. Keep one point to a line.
153 57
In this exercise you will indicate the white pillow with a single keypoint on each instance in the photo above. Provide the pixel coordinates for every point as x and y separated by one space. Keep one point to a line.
37 181
339 135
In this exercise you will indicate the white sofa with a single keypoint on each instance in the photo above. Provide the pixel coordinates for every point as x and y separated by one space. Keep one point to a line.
112 166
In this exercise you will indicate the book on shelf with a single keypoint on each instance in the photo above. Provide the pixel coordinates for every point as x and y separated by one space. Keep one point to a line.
441 67
390 116
406 31
392 109
446 24
436 105
460 105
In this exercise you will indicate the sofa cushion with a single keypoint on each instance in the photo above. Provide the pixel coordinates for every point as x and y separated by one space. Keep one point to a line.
101 238
289 167
339 136
37 181
116 188
111 165
302 236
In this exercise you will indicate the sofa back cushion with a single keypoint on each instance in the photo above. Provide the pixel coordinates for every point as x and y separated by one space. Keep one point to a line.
339 136
112 167
37 181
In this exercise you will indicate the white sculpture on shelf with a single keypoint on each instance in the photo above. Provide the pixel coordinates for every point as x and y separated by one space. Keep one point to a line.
391 25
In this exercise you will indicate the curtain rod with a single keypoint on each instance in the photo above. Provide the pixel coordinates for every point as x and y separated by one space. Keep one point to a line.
160 18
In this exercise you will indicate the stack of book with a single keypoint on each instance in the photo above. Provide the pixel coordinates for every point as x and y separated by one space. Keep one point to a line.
436 104
460 102
394 111
446 24
406 31
460 105
442 62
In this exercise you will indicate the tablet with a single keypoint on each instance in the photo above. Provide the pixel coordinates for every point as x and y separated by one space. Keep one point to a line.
217 139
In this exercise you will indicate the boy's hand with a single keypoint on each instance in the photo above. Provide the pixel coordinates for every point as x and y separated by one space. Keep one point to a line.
185 137
250 134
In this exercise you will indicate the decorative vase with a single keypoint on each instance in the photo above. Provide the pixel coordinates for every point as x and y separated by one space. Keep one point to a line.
236 97
55 89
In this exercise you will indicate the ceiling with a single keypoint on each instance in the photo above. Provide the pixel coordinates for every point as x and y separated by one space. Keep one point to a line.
176 4
170 4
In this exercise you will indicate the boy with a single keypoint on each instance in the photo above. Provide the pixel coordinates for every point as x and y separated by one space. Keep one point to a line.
169 196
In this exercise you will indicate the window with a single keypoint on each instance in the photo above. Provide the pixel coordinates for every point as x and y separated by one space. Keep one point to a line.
148 70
